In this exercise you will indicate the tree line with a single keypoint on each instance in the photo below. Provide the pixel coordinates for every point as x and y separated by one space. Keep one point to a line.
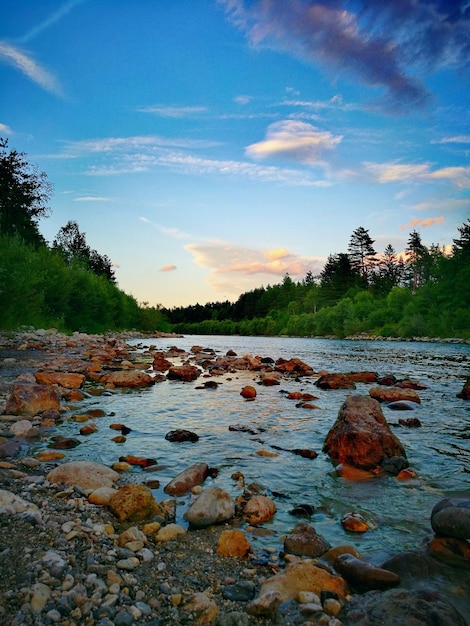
68 285
423 292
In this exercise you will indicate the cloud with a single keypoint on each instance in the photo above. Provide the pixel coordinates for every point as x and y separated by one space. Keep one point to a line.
5 130
21 61
168 268
454 139
243 99
92 199
294 140
421 172
383 44
429 221
52 19
172 111
166 230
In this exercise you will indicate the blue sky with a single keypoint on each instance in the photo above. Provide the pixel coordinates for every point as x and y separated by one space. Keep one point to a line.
210 147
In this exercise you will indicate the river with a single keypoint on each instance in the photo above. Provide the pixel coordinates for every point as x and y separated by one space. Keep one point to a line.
400 511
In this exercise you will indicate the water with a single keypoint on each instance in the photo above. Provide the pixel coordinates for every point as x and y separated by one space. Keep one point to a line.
439 451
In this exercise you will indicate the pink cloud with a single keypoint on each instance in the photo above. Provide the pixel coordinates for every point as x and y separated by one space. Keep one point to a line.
168 268
428 221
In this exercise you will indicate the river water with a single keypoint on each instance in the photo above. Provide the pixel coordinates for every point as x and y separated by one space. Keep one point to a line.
400 511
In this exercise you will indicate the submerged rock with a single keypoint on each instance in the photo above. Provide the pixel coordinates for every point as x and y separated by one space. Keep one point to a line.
451 517
364 576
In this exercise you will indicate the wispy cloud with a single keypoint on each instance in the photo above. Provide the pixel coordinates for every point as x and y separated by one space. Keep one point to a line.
429 221
166 230
20 60
51 19
172 111
421 172
168 268
294 140
383 44
5 130
92 199
454 139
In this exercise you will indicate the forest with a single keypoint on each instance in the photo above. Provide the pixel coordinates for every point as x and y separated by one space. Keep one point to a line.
423 292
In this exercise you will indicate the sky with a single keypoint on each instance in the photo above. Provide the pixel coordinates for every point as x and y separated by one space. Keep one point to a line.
210 147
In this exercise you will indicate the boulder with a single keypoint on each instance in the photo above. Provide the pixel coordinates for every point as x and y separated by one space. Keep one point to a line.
465 393
303 540
84 474
364 576
134 502
187 479
259 509
186 373
179 435
294 366
394 394
212 506
451 517
287 585
335 381
26 399
66 380
361 436
160 364
402 607
362 377
126 378
248 392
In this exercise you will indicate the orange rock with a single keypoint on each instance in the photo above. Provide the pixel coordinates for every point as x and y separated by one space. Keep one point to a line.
407 474
392 394
69 381
134 502
131 379
27 399
119 439
266 453
355 523
233 543
96 413
354 473
137 460
48 455
248 392
88 429
259 509
75 395
81 418
186 373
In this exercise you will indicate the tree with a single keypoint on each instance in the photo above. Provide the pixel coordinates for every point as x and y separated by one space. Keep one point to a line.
389 271
416 251
71 242
362 253
337 277
462 244
24 193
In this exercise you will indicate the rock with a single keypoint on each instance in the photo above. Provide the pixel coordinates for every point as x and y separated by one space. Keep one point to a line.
451 517
364 576
233 543
202 607
259 509
248 392
130 535
355 523
179 435
394 464
64 443
412 566
455 551
9 448
401 608
303 540
394 394
186 373
125 378
402 405
169 532
361 436
21 428
332 554
362 377
187 479
84 474
160 364
40 594
66 380
141 461
465 393
134 502
296 578
349 472
294 366
101 496
26 399
16 504
335 381
412 422
212 506
269 379
241 591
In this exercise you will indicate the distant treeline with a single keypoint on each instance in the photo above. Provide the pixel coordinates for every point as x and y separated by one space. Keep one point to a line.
426 293
68 285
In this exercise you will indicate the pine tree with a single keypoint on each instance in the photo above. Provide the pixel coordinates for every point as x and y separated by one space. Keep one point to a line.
362 253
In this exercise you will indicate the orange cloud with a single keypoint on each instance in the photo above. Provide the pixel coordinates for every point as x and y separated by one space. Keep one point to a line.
167 268
429 221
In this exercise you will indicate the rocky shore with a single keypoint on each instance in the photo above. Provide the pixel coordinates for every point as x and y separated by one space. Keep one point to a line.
93 548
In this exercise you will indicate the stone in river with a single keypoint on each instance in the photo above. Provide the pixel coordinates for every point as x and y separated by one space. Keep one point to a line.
187 479
355 523
361 436
212 506
335 381
248 392
394 394
259 509
400 607
84 474
69 381
294 366
402 405
364 576
134 502
186 373
451 517
465 393
27 399
130 379
179 435
303 540
394 464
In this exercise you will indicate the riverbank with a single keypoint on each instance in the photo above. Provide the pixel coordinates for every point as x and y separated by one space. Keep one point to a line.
81 580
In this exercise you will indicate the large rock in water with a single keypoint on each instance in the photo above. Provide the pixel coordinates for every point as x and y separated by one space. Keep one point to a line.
27 399
399 607
84 474
451 517
213 506
361 436
130 379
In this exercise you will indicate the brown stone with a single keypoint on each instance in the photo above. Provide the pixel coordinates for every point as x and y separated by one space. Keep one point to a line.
85 474
187 479
362 575
68 381
125 378
259 509
294 366
26 399
160 364
355 523
186 373
361 436
450 549
233 543
248 392
134 502
392 394
465 393
303 540
362 377
335 381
